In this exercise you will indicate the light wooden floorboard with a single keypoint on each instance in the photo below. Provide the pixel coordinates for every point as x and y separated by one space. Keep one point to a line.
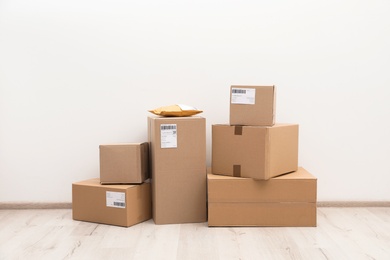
342 233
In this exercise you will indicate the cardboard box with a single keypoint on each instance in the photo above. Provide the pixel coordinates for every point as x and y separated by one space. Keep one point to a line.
120 205
254 151
178 166
287 200
124 163
252 105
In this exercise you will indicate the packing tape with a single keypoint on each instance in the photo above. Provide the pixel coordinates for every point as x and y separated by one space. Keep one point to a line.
238 130
236 170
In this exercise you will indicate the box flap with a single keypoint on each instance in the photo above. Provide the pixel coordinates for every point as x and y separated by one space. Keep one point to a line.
96 183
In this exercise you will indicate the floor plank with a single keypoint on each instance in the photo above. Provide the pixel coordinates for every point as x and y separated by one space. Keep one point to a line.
342 233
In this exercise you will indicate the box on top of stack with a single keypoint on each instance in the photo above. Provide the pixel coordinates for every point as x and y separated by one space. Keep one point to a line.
252 105
124 163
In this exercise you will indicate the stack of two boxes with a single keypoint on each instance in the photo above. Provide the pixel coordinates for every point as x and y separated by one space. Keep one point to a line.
122 194
255 179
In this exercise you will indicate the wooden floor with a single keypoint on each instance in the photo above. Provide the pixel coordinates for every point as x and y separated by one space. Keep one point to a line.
342 233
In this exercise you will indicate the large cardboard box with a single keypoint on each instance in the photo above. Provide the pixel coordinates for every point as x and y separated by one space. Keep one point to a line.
254 151
121 205
178 163
287 200
252 105
124 163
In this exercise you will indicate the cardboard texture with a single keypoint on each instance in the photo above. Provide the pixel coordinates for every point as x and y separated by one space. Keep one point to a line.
254 151
90 201
178 169
287 200
252 105
124 163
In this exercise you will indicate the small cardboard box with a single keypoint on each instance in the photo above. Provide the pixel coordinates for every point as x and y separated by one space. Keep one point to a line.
124 163
178 166
252 105
254 151
120 205
287 200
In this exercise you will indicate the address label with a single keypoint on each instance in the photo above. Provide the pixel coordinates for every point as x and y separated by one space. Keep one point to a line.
168 135
115 199
246 96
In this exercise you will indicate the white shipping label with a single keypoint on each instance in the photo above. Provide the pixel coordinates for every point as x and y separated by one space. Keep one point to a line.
186 107
115 199
168 135
245 96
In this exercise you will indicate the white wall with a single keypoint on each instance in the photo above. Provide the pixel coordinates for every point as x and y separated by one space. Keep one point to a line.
79 73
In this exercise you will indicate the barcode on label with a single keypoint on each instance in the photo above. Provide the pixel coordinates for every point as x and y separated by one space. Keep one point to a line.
119 204
238 91
245 96
168 134
168 127
115 199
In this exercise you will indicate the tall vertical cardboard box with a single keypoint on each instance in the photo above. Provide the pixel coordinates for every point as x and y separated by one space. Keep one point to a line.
254 151
252 105
124 163
178 166
120 205
287 200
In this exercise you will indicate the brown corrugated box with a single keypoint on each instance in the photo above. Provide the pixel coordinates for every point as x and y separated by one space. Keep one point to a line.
120 205
124 163
287 200
254 151
252 105
178 166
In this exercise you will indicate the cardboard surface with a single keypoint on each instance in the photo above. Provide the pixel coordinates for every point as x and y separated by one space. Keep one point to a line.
90 198
254 151
287 200
178 166
260 113
124 163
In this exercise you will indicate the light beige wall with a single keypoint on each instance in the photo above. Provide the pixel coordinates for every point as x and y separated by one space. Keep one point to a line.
75 74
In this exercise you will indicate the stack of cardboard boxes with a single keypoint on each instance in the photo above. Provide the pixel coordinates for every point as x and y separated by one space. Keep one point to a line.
255 179
122 194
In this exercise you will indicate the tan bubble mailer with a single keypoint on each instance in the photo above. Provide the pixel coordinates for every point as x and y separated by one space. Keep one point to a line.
176 110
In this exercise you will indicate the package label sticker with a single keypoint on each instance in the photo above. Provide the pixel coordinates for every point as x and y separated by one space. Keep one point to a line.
246 96
168 135
115 199
186 107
